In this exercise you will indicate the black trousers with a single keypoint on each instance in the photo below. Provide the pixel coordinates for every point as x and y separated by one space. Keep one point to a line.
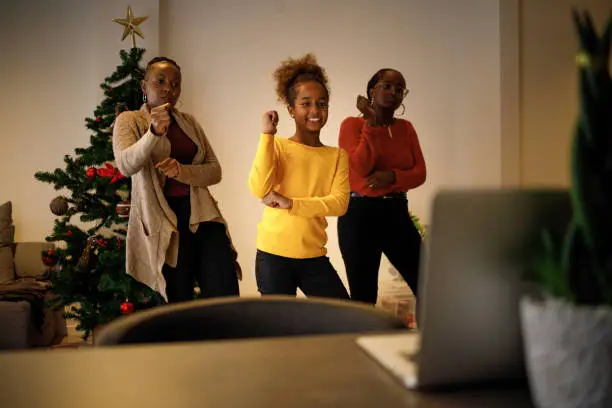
277 275
205 256
371 227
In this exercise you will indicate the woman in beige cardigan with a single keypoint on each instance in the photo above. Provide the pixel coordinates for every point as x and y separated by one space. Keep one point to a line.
176 234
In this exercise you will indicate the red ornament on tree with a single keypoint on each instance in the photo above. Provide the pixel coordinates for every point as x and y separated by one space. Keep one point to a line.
48 261
69 233
111 172
127 308
107 171
118 176
101 242
91 173
123 209
98 119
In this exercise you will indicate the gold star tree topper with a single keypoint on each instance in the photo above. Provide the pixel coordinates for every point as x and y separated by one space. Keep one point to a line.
131 24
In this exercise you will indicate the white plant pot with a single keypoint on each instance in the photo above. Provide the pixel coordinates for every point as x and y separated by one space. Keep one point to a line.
568 351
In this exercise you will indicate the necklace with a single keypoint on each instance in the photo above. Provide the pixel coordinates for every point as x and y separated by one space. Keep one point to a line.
388 126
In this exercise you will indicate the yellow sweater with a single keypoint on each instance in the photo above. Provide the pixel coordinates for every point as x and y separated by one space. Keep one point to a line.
315 178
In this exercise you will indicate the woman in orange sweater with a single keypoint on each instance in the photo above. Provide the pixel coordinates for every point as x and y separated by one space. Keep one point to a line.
385 161
301 182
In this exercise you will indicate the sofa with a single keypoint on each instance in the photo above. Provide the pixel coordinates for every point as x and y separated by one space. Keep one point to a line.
25 321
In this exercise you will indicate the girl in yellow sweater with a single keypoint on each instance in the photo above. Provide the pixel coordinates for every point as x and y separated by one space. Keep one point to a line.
300 181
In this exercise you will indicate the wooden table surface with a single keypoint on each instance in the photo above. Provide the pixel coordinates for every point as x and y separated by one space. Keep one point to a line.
318 371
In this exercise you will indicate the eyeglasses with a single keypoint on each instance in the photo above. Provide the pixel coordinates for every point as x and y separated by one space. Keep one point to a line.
399 90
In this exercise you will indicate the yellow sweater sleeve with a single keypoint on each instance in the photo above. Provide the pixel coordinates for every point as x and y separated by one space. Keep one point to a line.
263 172
334 204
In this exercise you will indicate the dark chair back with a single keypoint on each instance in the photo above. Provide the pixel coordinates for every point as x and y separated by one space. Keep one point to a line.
239 318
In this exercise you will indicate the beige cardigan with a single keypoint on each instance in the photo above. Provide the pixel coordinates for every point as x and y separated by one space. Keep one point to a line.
152 237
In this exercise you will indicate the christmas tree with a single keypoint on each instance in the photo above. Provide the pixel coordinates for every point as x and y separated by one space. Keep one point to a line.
89 262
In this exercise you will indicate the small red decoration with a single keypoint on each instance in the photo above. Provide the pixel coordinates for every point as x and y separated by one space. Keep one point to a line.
106 171
69 233
123 209
109 171
98 119
127 308
91 173
101 242
49 257
118 176
119 243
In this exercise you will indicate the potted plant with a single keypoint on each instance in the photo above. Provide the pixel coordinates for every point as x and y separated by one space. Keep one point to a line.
567 332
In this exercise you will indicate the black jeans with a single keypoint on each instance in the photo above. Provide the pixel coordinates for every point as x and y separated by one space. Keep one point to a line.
277 275
371 227
205 256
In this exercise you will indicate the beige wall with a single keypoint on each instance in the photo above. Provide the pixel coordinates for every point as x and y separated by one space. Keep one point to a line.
56 53
509 29
548 86
448 50
493 85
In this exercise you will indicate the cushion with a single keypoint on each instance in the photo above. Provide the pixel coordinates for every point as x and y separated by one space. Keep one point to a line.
7 267
28 259
6 214
7 235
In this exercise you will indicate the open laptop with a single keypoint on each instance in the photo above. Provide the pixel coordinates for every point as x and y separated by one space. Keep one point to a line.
474 258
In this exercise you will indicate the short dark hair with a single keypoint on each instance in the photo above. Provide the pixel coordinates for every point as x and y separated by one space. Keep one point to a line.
160 59
375 78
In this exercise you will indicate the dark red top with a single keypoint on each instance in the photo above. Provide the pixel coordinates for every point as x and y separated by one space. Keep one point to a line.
372 148
183 149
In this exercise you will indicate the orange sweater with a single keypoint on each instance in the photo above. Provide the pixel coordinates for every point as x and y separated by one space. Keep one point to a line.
372 149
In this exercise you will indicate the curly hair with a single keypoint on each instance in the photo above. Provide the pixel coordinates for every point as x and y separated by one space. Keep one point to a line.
160 59
375 78
292 72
